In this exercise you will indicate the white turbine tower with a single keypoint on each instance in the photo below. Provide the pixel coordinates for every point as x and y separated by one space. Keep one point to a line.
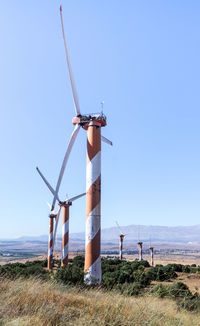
92 123
121 240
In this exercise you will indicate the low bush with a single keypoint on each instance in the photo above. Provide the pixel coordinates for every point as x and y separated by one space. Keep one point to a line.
27 270
116 272
109 279
159 290
178 290
42 263
190 303
180 293
70 274
78 261
161 273
132 289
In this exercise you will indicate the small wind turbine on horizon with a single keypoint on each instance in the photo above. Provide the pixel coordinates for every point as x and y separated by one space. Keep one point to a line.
151 248
121 239
140 243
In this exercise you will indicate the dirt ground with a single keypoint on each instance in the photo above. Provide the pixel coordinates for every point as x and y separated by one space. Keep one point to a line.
164 259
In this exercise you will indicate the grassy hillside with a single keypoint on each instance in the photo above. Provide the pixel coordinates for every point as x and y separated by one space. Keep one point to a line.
132 293
45 303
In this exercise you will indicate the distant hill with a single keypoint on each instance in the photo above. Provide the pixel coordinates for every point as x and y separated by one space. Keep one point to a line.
183 234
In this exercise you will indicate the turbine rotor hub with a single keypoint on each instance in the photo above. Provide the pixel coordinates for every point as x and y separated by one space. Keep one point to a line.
86 119
65 203
52 215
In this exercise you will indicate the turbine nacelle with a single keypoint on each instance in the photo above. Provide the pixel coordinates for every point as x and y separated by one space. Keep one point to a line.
65 203
52 215
85 120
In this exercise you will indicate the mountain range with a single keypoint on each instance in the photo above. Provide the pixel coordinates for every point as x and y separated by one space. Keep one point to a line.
181 234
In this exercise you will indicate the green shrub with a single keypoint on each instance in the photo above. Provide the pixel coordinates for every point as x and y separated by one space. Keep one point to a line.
42 263
109 280
163 273
141 268
193 265
144 263
173 268
186 269
132 289
29 269
70 274
38 271
142 278
125 274
178 290
190 303
174 291
159 290
78 261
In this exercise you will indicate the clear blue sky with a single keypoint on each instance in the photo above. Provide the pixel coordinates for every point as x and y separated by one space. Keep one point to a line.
142 59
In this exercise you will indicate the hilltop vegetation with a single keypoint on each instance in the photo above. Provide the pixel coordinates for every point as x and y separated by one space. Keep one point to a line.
32 302
123 283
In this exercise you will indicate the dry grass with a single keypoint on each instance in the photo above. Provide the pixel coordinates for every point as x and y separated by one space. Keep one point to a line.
191 280
32 302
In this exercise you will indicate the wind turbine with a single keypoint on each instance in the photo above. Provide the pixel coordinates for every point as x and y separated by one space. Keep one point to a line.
65 226
52 216
121 239
92 123
140 243
140 250
151 253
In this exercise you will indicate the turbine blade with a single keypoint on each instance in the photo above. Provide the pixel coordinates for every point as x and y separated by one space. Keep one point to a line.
53 212
47 183
74 92
66 157
56 226
76 197
119 227
105 140
48 204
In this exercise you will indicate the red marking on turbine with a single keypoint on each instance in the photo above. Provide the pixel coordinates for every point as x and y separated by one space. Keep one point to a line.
121 238
65 235
140 250
50 246
93 198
